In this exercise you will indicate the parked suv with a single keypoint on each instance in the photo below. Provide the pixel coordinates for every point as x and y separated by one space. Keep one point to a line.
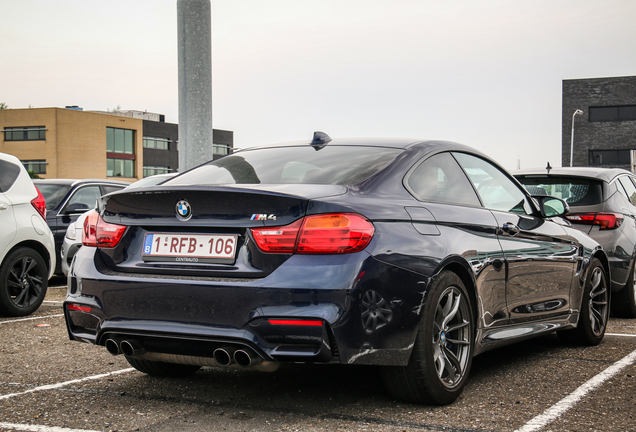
602 204
67 199
27 252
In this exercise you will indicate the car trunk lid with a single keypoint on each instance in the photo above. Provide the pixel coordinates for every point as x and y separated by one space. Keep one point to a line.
202 229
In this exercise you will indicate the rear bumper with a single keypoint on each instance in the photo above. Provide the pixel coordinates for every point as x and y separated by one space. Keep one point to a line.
619 247
194 316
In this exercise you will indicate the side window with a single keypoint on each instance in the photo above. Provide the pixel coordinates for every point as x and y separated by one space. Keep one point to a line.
440 179
629 188
108 189
496 190
85 198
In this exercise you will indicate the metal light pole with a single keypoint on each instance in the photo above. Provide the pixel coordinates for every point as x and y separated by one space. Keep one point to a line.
578 111
194 29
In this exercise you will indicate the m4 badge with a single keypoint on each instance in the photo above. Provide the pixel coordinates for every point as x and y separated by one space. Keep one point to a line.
263 216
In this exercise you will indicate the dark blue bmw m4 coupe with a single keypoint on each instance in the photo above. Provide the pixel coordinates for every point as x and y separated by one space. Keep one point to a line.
414 256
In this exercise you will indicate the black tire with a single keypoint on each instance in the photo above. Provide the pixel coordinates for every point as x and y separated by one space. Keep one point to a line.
23 282
162 369
624 301
594 310
443 351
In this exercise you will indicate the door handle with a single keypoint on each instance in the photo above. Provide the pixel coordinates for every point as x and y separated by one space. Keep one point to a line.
510 228
3 206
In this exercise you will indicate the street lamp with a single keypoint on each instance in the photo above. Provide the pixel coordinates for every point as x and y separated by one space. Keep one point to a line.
578 111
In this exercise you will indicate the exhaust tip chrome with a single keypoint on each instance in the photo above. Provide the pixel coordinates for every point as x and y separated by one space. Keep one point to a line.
131 348
223 356
246 357
112 347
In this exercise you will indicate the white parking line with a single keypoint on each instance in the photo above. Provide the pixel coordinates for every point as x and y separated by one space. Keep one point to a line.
65 383
569 401
31 318
37 428
620 334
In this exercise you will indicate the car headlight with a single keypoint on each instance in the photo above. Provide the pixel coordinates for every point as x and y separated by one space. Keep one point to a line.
70 232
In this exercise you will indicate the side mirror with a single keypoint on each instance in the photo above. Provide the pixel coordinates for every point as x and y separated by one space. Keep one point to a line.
75 208
551 206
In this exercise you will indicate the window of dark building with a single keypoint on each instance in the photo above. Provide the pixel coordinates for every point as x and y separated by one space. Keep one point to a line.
156 143
26 133
609 157
35 166
120 152
612 113
221 149
153 170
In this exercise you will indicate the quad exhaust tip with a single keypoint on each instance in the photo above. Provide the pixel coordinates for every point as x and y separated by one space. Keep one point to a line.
246 357
112 346
224 356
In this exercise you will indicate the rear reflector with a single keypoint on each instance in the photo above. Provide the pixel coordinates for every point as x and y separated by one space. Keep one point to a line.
295 322
332 233
603 220
98 233
39 204
75 307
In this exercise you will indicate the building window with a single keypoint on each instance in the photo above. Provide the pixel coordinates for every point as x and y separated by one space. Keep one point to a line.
35 166
609 157
156 143
220 149
613 113
120 141
27 133
120 152
120 168
153 170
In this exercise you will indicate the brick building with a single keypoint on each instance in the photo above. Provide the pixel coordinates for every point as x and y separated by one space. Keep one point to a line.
72 143
605 134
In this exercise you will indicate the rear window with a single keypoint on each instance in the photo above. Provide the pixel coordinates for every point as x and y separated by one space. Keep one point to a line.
575 191
53 193
338 165
8 174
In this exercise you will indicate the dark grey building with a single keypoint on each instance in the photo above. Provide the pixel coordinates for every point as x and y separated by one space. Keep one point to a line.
161 152
605 133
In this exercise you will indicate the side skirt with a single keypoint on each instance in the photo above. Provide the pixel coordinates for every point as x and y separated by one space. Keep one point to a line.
491 338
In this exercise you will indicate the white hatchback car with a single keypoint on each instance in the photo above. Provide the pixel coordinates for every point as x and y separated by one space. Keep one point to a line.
27 251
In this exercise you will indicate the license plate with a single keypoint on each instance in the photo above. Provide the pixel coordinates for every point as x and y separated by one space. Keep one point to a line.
190 248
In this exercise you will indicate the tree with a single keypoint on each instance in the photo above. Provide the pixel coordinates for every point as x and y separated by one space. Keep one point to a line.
4 105
33 175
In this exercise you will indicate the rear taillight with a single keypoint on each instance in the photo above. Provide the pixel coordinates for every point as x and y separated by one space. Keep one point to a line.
295 322
39 204
75 307
98 233
603 220
317 234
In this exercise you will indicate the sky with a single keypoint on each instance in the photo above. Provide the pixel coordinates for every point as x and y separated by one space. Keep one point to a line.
486 73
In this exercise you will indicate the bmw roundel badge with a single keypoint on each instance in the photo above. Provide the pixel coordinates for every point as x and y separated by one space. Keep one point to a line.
184 211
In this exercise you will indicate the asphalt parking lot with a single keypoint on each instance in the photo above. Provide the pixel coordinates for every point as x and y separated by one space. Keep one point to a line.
50 384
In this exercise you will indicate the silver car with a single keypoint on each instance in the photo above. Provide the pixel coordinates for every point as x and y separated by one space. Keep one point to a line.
602 204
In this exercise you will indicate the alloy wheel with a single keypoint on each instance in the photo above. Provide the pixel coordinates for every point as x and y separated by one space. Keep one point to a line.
23 282
451 337
598 312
